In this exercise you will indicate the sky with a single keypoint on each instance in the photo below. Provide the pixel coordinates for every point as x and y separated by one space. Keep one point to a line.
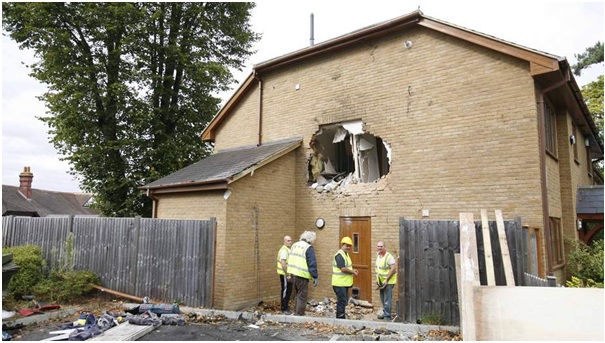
559 28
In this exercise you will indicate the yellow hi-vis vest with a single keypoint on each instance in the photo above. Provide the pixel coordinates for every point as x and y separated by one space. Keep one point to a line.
280 270
340 279
383 269
297 261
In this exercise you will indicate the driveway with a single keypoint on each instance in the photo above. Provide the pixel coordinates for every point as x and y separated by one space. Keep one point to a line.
216 325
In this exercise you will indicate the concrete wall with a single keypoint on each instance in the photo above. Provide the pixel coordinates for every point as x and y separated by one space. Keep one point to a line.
538 314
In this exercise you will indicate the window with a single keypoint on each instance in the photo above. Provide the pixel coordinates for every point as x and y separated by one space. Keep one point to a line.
556 241
574 132
550 129
588 161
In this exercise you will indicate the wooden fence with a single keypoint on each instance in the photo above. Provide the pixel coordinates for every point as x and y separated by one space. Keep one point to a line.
534 281
164 259
427 268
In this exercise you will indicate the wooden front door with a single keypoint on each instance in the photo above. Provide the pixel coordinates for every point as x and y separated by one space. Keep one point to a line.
359 230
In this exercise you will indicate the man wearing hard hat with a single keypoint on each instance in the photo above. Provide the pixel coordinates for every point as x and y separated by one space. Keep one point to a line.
342 275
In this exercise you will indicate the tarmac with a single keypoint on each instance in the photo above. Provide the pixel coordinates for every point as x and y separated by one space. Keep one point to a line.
407 328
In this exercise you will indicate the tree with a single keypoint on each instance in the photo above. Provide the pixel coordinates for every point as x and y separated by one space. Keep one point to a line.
131 85
593 91
592 55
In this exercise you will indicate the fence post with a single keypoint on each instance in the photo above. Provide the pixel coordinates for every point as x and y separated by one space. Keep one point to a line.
552 281
134 255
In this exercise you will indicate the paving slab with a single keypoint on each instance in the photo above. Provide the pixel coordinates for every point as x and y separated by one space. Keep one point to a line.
124 332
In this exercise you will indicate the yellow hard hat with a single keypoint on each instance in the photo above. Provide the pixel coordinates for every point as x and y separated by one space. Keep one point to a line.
346 240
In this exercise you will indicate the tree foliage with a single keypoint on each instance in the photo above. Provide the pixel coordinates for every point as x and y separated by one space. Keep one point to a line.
131 85
592 55
586 262
593 96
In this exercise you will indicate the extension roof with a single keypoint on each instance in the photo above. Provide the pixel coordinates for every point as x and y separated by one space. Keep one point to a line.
547 69
218 170
590 200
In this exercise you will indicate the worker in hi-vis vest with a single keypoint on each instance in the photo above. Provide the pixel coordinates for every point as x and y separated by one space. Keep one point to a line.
342 276
285 280
302 266
386 278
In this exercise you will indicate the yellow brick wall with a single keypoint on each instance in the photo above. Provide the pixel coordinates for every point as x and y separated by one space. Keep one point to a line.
200 206
573 173
461 122
244 127
262 203
260 212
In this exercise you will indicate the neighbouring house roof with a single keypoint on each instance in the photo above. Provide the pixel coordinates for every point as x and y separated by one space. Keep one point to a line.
44 203
218 170
590 200
546 68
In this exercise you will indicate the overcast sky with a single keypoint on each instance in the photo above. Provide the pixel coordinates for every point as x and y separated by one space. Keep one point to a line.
558 28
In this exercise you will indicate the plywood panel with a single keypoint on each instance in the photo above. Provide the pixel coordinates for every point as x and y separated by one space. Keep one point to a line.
538 313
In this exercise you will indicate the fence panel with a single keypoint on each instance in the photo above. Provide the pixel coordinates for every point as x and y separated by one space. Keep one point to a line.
428 272
165 259
102 245
50 234
427 284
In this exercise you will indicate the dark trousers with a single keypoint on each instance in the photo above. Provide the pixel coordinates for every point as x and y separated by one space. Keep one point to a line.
301 286
286 292
342 295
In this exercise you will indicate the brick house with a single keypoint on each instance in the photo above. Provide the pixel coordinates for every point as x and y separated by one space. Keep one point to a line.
26 201
414 118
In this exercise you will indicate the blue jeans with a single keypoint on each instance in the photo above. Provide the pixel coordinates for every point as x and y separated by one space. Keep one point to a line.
386 298
342 294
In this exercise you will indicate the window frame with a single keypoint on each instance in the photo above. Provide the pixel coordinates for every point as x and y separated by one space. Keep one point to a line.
556 242
550 129
574 132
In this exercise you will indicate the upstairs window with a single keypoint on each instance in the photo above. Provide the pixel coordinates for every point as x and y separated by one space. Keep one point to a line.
550 129
574 133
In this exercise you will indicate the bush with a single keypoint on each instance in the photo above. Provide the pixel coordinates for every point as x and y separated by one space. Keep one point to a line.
578 283
33 266
586 263
66 286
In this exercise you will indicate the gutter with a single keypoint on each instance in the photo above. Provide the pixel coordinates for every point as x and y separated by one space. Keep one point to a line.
260 108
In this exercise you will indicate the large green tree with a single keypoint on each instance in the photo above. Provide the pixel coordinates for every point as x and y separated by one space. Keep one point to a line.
130 85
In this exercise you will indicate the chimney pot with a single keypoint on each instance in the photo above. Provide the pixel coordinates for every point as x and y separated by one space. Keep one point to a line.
25 182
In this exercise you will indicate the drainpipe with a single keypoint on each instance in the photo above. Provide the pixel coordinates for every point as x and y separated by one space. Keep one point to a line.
542 133
312 38
260 109
154 203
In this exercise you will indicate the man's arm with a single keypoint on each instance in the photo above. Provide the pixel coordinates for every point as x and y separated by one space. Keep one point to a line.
311 262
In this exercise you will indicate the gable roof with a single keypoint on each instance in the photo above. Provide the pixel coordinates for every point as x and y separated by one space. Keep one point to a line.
546 68
44 203
590 200
218 170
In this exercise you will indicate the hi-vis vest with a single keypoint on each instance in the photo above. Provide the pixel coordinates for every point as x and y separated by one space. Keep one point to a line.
340 279
297 261
383 268
280 270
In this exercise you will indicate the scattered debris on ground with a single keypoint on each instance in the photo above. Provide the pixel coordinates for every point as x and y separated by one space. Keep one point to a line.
109 313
